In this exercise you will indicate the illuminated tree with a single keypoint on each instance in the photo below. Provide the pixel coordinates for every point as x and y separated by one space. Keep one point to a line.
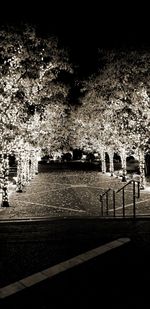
29 79
115 111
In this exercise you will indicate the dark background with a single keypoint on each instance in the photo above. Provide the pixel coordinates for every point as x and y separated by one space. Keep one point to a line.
84 26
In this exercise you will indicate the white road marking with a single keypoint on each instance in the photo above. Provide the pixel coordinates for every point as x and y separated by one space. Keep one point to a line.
70 186
58 268
78 186
51 206
141 191
43 192
131 204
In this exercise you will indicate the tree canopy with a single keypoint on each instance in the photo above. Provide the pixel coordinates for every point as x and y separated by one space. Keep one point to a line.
29 79
116 107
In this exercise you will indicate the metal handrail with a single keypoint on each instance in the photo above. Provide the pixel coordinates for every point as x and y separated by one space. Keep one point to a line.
130 181
134 195
123 198
105 192
107 203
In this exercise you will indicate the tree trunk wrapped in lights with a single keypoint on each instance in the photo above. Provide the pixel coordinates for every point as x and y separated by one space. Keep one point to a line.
103 161
111 160
4 182
33 164
27 167
142 169
24 166
36 162
19 173
124 164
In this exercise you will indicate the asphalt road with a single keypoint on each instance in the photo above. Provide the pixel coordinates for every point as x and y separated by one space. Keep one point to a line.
27 247
119 277
98 283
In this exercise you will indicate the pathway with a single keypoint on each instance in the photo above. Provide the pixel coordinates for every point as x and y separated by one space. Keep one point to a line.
69 193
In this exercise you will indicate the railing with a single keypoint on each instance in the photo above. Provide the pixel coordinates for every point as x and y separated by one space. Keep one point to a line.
104 198
102 202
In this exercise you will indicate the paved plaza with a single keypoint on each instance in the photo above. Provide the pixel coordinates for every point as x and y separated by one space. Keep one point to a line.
60 193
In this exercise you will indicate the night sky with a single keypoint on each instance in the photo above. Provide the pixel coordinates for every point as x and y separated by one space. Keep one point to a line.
84 27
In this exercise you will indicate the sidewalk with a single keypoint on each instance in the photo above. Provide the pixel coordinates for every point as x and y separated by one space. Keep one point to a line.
68 193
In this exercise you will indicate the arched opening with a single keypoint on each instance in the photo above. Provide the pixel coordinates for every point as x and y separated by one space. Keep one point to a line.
12 167
132 165
107 160
117 162
147 164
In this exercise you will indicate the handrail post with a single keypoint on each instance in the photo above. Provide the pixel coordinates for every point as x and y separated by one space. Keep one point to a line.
107 203
114 203
102 205
123 202
134 210
138 185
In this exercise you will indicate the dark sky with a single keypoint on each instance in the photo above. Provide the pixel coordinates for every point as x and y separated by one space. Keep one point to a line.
85 26
99 22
